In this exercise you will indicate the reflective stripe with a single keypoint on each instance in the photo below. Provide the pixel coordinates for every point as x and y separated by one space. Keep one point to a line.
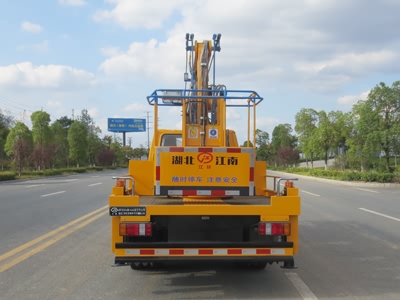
206 252
204 192
142 229
220 251
158 189
249 251
277 251
232 193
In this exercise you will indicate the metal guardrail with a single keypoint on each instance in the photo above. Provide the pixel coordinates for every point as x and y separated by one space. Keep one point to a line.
125 178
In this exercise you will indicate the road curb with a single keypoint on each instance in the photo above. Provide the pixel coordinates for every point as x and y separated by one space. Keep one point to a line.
339 182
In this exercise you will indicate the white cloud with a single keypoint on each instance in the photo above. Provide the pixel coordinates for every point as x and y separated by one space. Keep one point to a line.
137 108
348 100
266 122
110 51
31 27
147 14
285 43
72 2
232 114
351 63
93 112
54 103
27 75
38 47
41 47
152 59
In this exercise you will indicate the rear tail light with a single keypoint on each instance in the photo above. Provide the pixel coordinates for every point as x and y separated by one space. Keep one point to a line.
273 228
135 229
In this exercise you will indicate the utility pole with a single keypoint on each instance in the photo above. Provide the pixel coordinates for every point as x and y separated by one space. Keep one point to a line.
73 117
148 131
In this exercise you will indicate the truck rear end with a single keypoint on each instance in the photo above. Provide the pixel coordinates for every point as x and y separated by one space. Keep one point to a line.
199 196
206 204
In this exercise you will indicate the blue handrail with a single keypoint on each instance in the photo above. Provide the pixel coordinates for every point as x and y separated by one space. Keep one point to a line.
180 95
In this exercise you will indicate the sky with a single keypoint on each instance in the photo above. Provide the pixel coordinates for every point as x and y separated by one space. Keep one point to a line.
62 56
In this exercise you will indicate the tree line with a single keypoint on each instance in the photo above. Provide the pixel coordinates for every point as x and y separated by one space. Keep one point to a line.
356 138
62 143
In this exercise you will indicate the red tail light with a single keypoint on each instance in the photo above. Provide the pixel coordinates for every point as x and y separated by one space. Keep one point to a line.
135 229
261 228
273 228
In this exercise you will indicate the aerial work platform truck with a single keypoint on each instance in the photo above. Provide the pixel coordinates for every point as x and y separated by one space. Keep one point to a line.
199 195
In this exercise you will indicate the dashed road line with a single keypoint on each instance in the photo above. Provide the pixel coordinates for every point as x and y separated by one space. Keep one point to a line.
379 214
33 185
316 195
93 184
301 287
367 190
56 193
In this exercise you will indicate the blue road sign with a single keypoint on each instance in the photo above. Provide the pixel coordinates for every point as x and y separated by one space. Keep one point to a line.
126 125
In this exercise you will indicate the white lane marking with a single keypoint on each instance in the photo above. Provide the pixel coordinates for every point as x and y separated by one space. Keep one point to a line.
75 179
95 176
33 185
56 193
301 287
310 193
367 190
93 184
379 214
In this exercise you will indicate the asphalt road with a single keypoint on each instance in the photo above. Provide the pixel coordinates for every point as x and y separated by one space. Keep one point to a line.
55 244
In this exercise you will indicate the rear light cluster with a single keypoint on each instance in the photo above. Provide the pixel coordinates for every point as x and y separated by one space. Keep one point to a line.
135 229
273 228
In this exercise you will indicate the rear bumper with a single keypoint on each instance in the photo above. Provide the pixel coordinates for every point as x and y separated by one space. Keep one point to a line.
204 251
271 259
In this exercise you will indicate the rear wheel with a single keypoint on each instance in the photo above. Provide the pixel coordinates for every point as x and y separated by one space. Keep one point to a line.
252 265
137 265
258 265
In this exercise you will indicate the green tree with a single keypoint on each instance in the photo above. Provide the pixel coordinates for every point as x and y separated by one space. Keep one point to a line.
78 143
65 122
263 147
94 143
138 152
385 102
107 140
323 137
19 145
59 145
282 137
262 137
362 144
306 124
245 144
283 144
41 138
6 123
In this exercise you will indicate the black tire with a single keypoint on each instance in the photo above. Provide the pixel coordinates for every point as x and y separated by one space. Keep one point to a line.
258 265
136 265
251 265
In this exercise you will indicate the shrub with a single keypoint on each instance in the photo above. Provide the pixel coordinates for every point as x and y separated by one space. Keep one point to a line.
52 172
77 170
7 176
